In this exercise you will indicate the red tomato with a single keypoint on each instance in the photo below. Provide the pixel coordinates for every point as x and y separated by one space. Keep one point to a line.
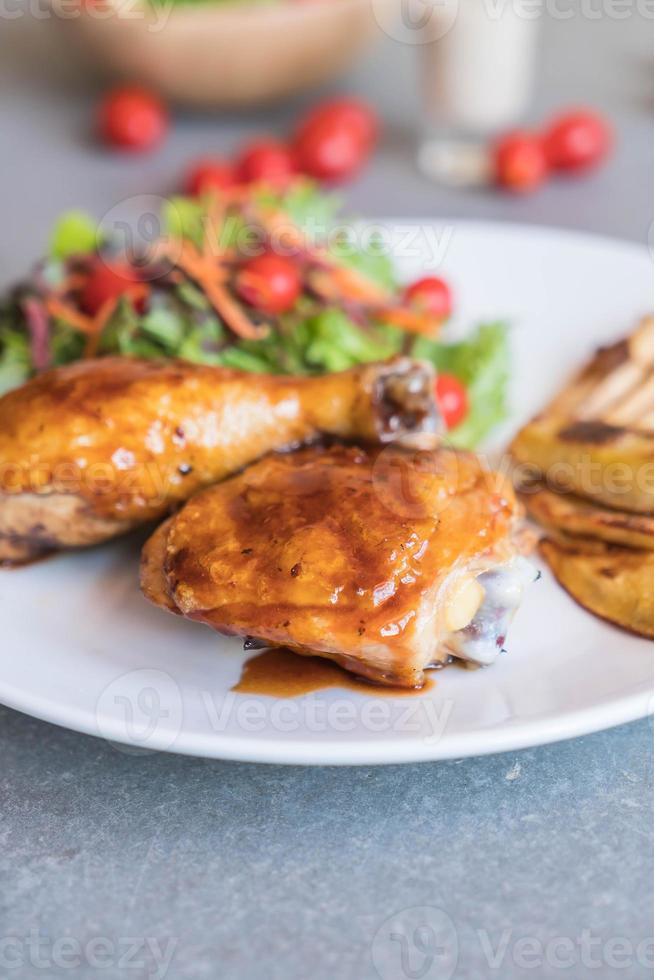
430 295
334 140
520 162
132 118
352 113
577 140
268 161
330 152
209 175
452 399
107 282
270 283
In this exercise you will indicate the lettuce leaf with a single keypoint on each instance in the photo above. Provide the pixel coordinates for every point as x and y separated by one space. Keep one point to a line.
75 233
482 363
310 339
368 258
306 204
15 359
183 217
326 341
335 343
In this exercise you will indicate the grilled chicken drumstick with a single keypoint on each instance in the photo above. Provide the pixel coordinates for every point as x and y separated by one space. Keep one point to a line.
385 561
90 450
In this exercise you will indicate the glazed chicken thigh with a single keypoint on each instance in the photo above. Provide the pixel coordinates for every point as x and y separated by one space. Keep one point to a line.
90 450
385 561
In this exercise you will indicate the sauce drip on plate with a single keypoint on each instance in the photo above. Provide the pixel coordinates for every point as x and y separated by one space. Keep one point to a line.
280 673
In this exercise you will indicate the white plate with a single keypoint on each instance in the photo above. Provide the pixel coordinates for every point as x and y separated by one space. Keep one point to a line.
81 648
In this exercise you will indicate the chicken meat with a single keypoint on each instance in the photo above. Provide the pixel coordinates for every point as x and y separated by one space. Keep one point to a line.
90 450
386 561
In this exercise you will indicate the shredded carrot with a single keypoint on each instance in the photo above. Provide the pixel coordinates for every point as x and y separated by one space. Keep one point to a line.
339 282
72 282
63 311
209 275
410 321
100 321
209 268
357 286
214 223
333 280
278 224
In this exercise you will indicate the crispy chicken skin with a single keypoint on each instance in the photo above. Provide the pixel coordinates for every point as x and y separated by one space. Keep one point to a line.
93 449
385 561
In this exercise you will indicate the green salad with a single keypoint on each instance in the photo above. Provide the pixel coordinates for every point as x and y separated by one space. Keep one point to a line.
214 291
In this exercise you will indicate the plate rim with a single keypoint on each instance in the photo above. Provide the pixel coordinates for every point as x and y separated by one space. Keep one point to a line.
493 741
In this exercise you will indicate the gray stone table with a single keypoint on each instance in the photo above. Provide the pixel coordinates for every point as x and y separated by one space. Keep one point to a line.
528 862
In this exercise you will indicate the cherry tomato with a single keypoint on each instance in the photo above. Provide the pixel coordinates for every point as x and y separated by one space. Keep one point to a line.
335 140
352 113
132 118
268 161
577 140
107 281
430 295
452 399
271 283
331 153
209 175
520 162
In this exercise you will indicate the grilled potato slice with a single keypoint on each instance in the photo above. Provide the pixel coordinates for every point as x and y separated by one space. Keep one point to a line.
616 584
579 518
596 438
600 462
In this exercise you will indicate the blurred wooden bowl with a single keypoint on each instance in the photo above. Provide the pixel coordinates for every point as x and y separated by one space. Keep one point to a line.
225 55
